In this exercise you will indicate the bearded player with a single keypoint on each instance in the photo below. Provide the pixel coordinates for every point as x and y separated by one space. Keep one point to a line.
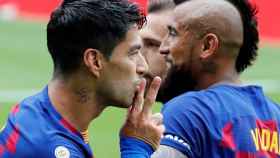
211 42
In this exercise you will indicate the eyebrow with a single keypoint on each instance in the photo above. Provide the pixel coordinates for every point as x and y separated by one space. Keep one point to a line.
153 40
135 47
151 36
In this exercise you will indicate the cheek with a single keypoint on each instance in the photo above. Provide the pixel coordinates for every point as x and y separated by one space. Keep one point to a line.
123 70
119 88
153 57
178 53
156 62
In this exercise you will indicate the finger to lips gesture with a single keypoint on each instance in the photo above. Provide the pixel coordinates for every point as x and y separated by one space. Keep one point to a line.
140 122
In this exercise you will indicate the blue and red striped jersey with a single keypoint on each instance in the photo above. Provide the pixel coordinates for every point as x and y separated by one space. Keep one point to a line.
35 129
223 121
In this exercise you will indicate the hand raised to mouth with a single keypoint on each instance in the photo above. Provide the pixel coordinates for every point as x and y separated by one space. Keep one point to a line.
140 122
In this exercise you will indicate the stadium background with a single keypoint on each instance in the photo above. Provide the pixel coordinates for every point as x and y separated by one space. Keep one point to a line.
25 66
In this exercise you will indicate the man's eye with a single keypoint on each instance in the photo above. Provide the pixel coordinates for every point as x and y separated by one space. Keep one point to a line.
172 31
135 52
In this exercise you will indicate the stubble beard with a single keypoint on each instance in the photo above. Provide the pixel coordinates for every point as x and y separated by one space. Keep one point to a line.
177 82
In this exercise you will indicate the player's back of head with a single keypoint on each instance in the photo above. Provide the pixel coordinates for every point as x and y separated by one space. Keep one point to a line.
248 51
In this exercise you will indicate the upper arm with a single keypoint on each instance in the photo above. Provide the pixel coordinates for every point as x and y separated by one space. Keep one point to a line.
185 129
167 152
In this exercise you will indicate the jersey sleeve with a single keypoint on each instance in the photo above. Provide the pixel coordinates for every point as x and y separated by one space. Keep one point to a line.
134 148
185 128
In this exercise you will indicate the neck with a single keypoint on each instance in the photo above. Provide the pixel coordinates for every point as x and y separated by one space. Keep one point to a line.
226 75
75 101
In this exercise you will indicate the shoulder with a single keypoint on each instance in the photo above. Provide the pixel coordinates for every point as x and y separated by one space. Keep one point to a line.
56 146
30 107
216 100
190 102
62 147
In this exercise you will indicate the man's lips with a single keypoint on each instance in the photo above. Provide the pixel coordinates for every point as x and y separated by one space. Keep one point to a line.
149 76
168 60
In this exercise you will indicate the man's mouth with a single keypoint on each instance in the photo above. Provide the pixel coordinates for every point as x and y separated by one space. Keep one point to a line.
169 61
149 76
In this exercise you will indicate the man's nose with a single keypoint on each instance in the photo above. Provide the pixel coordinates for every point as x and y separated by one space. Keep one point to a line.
142 66
164 47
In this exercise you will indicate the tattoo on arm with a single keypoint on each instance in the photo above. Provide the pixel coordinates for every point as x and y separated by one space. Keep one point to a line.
167 152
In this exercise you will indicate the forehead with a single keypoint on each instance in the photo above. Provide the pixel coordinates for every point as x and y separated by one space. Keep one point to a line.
156 26
132 40
183 12
159 20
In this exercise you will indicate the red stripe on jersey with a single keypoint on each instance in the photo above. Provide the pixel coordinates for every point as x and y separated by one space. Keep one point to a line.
12 141
255 155
245 155
68 126
15 109
2 149
227 138
268 124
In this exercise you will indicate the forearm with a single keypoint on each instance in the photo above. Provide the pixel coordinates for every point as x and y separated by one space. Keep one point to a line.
135 148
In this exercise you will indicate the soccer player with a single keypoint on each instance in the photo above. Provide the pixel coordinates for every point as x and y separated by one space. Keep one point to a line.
152 33
159 15
212 42
95 46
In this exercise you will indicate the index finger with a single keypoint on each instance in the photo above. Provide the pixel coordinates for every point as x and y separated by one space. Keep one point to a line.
139 97
151 96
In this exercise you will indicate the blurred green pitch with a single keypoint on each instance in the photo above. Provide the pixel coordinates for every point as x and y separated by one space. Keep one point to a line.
26 65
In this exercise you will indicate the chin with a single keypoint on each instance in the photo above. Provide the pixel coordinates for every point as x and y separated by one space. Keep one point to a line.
124 102
121 105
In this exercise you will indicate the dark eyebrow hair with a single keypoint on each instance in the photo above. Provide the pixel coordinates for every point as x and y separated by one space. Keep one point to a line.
135 47
153 40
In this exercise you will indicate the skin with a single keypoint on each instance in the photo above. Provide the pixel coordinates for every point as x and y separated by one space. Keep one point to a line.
149 127
152 35
127 67
101 82
204 44
203 41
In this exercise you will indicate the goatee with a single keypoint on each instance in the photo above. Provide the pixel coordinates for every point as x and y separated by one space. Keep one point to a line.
178 81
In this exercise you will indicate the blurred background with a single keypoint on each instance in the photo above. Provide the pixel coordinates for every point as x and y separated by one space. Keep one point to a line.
26 65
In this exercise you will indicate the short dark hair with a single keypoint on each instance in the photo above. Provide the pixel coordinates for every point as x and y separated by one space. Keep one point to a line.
160 5
249 48
80 24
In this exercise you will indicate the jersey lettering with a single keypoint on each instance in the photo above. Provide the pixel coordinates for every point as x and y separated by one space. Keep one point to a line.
266 140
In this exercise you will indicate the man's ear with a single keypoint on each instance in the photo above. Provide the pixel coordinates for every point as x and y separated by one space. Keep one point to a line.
210 46
93 60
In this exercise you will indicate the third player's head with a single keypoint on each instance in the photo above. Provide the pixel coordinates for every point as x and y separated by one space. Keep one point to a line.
159 15
95 44
209 41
